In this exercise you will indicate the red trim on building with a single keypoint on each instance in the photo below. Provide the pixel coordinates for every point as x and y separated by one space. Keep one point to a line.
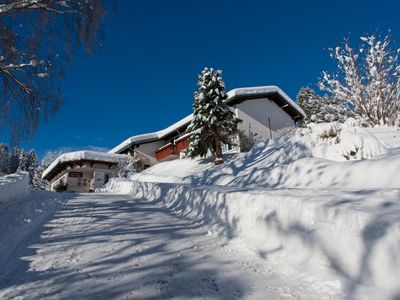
172 149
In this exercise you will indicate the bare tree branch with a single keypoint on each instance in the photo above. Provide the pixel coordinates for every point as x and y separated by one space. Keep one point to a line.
37 38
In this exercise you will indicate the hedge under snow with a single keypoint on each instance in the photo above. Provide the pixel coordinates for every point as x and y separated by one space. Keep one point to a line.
13 186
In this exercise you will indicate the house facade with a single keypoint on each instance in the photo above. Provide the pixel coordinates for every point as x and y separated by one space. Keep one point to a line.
264 111
82 171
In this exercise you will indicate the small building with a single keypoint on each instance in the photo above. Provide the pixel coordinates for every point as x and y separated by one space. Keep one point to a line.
264 111
82 171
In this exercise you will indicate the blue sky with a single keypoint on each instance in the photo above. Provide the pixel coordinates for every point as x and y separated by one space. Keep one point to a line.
145 77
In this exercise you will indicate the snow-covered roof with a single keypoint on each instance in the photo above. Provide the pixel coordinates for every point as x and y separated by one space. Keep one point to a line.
153 136
82 156
263 90
233 94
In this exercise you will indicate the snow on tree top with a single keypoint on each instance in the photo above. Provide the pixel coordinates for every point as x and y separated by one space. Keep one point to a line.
84 155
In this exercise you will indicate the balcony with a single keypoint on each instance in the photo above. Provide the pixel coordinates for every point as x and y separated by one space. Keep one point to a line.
172 150
166 152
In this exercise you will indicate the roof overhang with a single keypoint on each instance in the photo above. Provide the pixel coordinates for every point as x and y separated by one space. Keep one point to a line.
273 93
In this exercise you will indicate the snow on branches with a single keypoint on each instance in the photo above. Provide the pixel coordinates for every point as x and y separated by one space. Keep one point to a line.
321 109
368 80
37 40
213 121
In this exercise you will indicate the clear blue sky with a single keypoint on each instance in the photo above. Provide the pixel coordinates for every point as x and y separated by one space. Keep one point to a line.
145 77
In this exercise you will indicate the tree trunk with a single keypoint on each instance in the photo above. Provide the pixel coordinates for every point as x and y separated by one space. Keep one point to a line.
218 152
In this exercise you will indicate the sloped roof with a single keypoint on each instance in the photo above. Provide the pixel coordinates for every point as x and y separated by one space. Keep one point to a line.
278 96
234 96
153 136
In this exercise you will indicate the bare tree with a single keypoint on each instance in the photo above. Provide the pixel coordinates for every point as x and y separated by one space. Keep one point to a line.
36 41
368 80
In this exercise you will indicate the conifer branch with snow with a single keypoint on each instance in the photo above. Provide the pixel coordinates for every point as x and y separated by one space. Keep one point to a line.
321 109
213 121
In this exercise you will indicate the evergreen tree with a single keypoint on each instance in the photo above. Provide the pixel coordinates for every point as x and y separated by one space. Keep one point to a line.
14 159
4 159
37 168
321 109
310 102
23 161
213 121
128 166
32 165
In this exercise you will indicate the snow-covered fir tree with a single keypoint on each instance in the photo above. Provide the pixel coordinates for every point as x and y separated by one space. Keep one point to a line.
310 102
32 162
368 79
37 181
128 167
4 159
32 168
14 159
321 109
213 121
23 161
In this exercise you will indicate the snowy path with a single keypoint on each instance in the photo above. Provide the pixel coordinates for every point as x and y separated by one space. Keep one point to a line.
102 246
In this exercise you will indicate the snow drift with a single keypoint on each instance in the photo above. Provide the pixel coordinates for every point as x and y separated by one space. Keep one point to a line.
333 155
13 186
349 240
324 200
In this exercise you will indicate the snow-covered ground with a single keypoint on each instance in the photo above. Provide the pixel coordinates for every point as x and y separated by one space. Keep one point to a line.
13 186
20 219
105 246
325 201
299 161
312 215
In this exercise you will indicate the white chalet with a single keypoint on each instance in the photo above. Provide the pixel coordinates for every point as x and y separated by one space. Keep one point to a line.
264 110
82 171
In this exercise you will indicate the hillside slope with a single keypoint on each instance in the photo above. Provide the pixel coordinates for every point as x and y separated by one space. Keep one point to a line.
325 200
305 159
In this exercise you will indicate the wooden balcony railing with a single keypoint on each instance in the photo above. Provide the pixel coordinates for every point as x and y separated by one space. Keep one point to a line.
172 149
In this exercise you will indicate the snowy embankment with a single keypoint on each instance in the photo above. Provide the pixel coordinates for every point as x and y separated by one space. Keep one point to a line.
343 156
13 186
347 240
21 218
325 201
22 211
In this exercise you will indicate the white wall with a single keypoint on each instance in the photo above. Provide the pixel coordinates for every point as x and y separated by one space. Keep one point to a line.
250 126
147 152
150 148
63 178
94 178
262 109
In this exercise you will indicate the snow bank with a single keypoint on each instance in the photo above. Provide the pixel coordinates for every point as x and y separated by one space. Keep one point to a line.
348 239
325 200
334 156
20 219
338 142
173 171
13 186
